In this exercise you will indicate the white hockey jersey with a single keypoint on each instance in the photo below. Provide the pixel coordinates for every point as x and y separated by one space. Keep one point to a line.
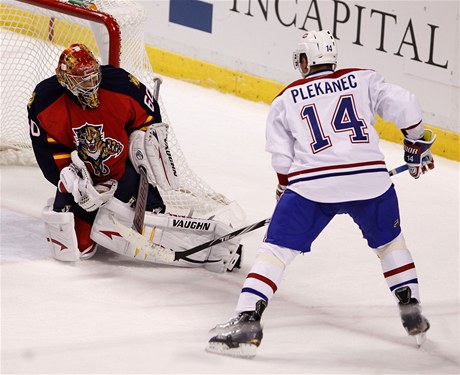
320 132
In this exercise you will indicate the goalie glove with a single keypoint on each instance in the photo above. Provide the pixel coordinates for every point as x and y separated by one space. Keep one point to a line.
417 154
150 150
75 179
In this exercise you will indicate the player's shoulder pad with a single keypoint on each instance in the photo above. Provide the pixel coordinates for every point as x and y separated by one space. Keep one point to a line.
45 93
120 81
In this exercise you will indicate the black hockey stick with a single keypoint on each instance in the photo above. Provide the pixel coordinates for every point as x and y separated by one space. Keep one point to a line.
249 228
239 232
142 192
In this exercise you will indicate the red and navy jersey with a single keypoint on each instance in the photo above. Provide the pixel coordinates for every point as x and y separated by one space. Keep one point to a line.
59 124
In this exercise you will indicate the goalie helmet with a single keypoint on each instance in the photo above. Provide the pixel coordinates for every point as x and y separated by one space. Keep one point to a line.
80 72
319 48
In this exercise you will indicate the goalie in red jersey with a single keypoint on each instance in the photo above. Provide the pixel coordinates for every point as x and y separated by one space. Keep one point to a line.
92 127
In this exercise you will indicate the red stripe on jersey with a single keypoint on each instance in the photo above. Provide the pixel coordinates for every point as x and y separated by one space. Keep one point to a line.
264 279
354 165
399 270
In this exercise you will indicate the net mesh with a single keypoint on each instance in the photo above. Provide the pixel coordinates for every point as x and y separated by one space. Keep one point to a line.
33 37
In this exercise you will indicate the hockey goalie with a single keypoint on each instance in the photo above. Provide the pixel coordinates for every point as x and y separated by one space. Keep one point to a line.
93 128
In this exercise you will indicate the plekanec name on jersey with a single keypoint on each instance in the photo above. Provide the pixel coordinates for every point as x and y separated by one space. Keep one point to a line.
323 87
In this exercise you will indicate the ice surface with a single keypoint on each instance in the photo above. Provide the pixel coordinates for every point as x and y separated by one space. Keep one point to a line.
333 313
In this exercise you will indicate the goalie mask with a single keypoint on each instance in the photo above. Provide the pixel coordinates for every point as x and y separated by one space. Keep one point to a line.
318 47
80 72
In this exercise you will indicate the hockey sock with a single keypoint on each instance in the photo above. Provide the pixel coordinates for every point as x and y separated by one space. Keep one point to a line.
399 270
265 275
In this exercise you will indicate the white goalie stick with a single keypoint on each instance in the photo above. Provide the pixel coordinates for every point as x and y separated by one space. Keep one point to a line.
142 193
170 255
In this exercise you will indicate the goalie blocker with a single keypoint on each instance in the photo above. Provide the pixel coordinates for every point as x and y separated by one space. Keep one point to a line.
150 150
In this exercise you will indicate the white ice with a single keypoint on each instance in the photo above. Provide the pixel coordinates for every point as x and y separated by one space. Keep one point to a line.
332 314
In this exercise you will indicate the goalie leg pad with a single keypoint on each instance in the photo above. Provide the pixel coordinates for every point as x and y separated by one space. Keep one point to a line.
225 255
180 234
104 231
168 231
62 236
183 233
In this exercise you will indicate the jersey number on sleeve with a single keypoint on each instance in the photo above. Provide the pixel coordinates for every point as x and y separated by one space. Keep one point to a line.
148 99
34 129
344 119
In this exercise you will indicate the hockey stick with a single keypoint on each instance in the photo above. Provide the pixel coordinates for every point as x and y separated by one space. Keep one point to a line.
239 232
141 200
401 168
142 242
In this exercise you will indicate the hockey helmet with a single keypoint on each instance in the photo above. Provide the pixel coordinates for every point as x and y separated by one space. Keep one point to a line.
80 72
319 48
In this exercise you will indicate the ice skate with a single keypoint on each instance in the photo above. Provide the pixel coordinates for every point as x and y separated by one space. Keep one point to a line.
239 337
413 321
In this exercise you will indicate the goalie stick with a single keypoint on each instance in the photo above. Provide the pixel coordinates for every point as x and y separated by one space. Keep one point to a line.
170 255
141 200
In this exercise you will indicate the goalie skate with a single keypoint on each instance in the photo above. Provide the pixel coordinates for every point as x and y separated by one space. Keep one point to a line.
241 336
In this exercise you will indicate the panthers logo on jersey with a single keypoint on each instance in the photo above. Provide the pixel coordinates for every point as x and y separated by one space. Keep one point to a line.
94 148
134 80
31 100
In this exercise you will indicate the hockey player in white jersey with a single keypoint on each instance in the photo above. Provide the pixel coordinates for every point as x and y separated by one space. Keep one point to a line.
320 133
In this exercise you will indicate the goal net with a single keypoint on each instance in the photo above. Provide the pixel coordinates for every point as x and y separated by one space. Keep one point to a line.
33 34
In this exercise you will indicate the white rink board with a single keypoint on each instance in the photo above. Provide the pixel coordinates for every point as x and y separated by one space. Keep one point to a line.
412 43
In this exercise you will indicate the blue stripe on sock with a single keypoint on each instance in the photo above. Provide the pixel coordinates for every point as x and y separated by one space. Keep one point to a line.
256 292
413 281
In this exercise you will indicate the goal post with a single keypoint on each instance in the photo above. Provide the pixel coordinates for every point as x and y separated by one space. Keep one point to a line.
85 13
33 35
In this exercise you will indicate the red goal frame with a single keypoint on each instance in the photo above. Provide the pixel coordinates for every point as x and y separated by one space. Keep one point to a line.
90 15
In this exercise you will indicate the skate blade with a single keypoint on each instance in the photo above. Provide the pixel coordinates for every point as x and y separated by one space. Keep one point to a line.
242 351
420 339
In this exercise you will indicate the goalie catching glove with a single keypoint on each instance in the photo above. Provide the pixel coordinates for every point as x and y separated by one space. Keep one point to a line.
75 179
417 154
149 150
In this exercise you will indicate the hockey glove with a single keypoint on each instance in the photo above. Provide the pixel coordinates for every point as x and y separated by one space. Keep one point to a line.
75 179
417 154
